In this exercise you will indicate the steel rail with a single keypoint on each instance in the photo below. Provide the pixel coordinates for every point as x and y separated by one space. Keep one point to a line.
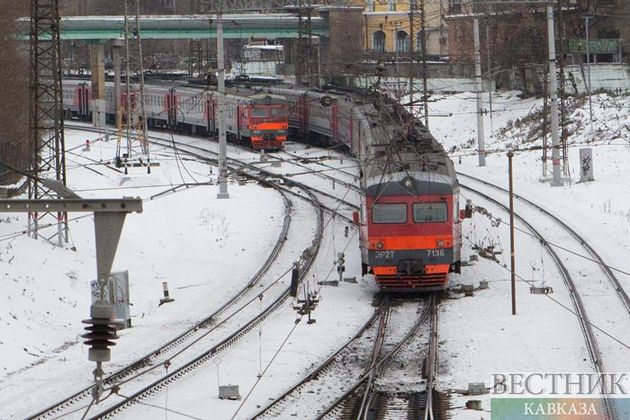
431 362
238 168
319 162
186 335
319 173
578 306
361 384
375 367
305 265
614 281
322 368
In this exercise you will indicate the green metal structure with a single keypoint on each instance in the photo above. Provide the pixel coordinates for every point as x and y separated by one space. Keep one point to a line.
241 26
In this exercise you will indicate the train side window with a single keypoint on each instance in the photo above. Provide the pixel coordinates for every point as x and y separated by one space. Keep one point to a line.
429 212
389 213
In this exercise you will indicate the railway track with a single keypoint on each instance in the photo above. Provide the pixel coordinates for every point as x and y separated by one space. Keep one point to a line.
583 242
248 170
357 369
579 308
305 161
373 395
156 386
163 356
159 356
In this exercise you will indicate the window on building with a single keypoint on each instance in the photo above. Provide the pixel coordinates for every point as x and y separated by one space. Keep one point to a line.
378 41
402 41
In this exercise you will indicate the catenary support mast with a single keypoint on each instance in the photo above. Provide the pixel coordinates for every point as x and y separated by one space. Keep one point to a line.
46 116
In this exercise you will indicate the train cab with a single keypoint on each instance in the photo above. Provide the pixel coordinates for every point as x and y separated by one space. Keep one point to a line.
413 231
266 121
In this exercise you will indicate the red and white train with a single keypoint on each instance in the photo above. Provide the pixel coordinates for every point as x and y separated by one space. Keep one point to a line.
409 218
258 119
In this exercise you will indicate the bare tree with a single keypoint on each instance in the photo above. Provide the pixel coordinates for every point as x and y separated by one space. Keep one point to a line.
14 123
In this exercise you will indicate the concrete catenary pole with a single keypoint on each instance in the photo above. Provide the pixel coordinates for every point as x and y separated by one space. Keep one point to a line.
117 46
478 87
553 100
223 188
510 155
589 88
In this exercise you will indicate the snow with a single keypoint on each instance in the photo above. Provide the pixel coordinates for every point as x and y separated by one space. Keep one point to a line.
543 337
207 249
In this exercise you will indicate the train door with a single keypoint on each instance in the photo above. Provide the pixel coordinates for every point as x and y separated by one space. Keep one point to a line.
240 118
84 101
334 123
171 108
209 115
303 112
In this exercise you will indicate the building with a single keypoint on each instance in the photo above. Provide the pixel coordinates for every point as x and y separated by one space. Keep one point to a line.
392 25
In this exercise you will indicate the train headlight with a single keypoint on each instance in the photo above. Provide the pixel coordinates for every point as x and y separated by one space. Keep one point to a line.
440 243
380 245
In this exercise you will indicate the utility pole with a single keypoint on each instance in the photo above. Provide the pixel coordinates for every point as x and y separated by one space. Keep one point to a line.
479 88
412 10
398 92
117 46
553 99
423 43
557 179
489 66
589 89
544 130
223 187
135 117
562 93
510 155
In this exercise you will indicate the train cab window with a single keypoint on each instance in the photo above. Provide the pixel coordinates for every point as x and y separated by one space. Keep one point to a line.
259 112
389 213
429 212
278 112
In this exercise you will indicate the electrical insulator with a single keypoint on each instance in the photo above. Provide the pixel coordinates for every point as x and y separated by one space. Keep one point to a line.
101 332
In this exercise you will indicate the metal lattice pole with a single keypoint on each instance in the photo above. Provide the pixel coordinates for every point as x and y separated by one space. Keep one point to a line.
46 116
135 119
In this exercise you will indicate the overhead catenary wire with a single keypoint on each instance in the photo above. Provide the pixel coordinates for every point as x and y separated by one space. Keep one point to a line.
556 301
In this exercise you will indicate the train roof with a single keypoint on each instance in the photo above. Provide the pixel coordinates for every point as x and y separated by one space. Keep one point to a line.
411 175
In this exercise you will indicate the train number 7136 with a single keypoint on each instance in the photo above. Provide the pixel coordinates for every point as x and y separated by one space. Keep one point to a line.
435 252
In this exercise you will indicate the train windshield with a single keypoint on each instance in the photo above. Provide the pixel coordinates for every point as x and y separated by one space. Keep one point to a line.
259 112
429 212
389 213
278 112
269 111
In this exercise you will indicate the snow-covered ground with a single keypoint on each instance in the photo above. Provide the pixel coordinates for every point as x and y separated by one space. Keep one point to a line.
480 335
208 248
